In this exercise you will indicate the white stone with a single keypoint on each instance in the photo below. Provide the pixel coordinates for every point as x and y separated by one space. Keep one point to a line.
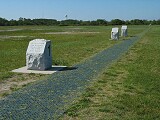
38 55
124 32
115 34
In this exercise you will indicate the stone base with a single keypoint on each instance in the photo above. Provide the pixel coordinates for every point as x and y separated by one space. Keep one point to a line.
49 71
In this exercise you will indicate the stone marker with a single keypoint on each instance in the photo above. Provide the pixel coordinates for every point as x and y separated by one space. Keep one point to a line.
38 55
115 34
124 31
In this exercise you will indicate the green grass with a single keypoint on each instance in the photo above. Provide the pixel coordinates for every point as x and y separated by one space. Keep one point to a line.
129 89
66 49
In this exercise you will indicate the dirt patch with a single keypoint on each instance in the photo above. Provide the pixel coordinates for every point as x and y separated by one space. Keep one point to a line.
75 28
7 37
10 30
16 82
9 85
57 33
12 36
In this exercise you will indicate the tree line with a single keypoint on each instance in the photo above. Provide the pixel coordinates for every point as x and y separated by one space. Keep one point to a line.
70 22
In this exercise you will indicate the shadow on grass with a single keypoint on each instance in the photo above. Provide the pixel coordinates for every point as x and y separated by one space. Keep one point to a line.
68 68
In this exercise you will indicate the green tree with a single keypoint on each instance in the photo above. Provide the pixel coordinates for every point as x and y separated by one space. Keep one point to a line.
117 22
102 22
3 22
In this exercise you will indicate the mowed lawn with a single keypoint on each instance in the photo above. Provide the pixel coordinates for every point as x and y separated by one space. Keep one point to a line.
67 49
70 45
129 89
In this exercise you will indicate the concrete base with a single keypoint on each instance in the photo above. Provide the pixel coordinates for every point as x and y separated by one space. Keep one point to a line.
49 71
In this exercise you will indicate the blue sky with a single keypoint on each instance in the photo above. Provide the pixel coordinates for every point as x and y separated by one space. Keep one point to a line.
81 9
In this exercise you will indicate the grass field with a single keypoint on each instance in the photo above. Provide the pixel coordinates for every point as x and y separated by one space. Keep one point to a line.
69 48
129 89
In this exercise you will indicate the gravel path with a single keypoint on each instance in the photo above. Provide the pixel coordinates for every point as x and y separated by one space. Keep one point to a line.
48 99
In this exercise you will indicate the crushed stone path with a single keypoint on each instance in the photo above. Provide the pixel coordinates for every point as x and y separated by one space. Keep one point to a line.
48 99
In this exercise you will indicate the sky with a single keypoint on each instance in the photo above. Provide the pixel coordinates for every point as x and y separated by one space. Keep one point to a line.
81 9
